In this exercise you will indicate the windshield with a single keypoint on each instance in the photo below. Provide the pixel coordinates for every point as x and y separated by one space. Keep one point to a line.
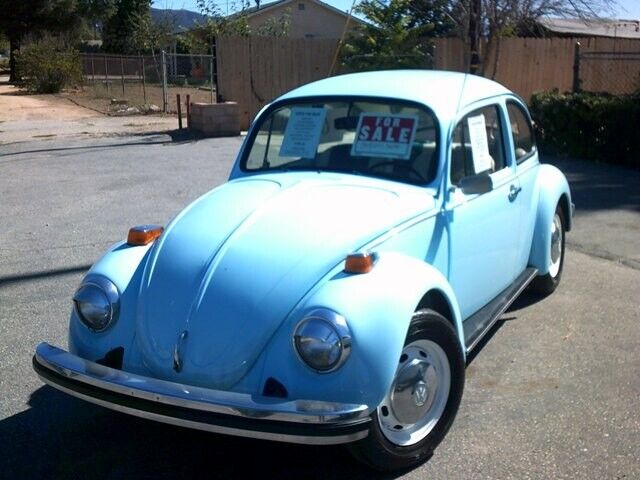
382 138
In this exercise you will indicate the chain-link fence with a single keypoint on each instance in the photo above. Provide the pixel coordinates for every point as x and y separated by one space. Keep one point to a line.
617 73
188 74
132 84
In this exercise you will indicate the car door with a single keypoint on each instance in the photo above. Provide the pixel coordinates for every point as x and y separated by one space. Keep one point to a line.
483 227
525 158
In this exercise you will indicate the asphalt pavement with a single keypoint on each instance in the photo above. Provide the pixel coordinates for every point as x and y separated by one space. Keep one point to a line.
554 393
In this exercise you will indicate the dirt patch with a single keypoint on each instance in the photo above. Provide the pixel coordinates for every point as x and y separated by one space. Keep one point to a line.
43 117
15 105
99 96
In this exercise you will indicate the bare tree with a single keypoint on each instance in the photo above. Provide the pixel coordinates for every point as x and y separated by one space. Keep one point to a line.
503 18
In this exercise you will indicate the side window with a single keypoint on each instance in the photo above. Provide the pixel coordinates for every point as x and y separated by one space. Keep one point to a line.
477 144
523 141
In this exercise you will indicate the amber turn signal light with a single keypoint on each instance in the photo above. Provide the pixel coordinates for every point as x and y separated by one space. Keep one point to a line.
360 262
144 234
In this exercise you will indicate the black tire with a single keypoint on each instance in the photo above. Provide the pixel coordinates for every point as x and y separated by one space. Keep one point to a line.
546 284
376 450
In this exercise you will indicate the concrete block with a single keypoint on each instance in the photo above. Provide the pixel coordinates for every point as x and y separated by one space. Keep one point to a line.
219 119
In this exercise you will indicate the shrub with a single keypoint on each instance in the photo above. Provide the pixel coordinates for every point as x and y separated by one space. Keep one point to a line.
593 126
45 68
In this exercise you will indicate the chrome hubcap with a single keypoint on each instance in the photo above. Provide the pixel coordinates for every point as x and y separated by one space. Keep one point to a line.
418 395
556 245
421 394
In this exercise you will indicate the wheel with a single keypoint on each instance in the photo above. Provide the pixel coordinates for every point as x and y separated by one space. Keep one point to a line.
423 400
546 284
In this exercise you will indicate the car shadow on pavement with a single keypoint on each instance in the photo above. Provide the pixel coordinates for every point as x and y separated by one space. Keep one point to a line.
184 135
524 300
161 137
599 186
61 437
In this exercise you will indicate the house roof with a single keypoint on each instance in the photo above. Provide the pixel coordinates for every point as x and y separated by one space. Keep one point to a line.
250 12
602 27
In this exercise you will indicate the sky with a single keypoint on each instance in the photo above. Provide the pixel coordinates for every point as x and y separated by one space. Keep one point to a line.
627 9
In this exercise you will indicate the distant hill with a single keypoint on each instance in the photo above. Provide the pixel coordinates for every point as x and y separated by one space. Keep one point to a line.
181 19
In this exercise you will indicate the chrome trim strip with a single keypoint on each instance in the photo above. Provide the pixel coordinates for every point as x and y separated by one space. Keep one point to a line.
503 305
277 437
196 398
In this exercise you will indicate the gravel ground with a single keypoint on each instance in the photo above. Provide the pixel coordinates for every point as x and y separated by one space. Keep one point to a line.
553 394
25 118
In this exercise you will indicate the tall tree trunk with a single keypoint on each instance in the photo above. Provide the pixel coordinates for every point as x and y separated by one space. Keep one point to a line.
474 35
496 58
487 53
14 44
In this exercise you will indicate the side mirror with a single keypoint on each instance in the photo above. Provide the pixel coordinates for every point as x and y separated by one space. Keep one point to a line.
480 183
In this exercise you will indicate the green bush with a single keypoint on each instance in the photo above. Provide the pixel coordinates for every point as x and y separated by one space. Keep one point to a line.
593 126
45 68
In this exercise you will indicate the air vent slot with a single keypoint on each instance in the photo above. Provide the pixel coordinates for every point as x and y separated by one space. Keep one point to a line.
273 388
113 358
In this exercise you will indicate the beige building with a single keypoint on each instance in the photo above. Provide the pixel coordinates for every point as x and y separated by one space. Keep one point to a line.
309 18
597 27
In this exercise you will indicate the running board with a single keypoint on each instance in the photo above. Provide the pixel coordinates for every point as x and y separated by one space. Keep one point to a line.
478 325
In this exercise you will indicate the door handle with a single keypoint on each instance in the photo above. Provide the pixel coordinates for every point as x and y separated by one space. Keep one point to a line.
513 192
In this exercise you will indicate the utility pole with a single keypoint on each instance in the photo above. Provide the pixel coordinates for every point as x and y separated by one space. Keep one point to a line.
474 35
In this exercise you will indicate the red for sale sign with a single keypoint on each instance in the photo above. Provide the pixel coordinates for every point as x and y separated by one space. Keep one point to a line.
381 135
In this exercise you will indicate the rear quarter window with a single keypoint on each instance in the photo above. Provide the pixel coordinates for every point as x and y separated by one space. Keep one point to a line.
521 131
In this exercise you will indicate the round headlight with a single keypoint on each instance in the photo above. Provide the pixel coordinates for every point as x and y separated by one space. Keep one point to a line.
323 340
96 303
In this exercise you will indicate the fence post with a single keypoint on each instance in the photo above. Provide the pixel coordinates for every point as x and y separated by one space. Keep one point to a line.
179 111
122 74
144 83
188 111
214 69
106 76
93 73
576 68
211 77
164 83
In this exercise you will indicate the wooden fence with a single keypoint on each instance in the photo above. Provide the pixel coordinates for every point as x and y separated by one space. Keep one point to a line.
528 65
252 71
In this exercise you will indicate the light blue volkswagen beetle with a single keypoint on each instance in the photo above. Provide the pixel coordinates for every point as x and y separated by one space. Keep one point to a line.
373 229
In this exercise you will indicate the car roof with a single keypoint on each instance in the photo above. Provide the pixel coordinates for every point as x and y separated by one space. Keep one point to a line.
444 92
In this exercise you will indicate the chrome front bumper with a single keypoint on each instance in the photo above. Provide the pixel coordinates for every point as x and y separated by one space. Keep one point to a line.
296 421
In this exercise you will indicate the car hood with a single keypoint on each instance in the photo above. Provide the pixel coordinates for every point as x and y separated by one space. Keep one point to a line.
231 266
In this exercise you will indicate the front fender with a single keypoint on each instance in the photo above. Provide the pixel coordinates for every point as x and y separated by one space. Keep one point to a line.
553 189
378 307
123 265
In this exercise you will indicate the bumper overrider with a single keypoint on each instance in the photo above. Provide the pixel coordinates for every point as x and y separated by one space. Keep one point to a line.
296 421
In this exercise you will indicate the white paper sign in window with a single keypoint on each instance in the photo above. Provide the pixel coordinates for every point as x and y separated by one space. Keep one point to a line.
482 160
302 135
389 136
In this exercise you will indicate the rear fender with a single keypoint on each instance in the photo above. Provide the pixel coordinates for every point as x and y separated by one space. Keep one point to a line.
553 189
